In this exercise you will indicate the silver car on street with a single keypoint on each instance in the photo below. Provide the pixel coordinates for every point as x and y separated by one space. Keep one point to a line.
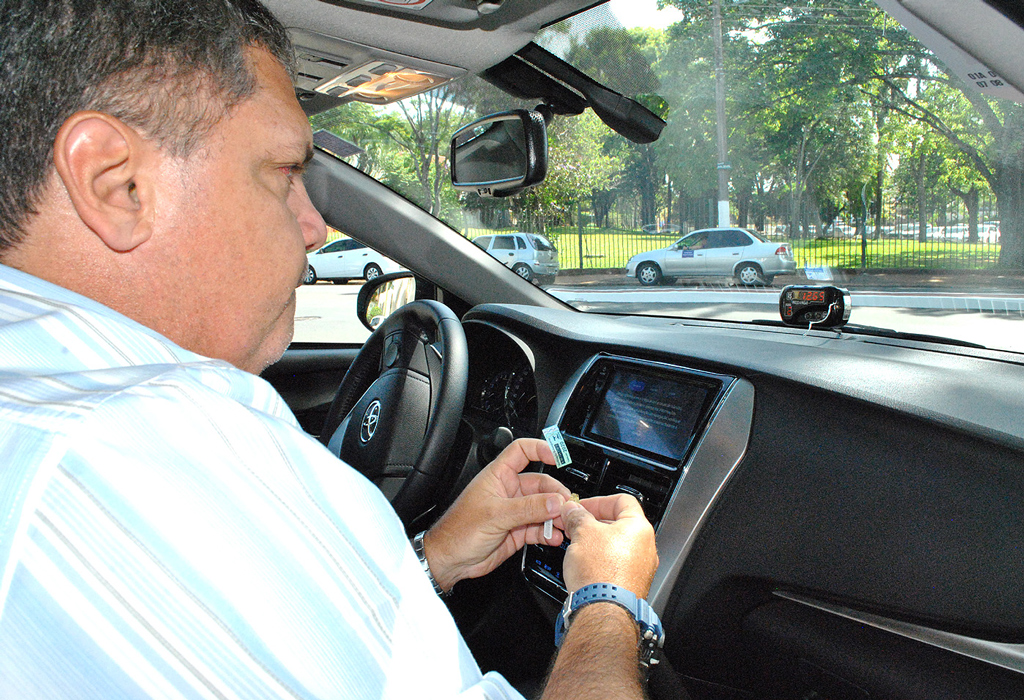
715 252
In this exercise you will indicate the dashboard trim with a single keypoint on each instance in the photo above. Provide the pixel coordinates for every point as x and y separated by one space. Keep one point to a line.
712 463
704 476
1008 656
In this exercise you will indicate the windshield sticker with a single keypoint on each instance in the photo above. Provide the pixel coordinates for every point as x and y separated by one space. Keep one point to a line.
823 274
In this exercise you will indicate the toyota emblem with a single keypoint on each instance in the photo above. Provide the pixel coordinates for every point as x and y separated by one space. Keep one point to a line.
371 418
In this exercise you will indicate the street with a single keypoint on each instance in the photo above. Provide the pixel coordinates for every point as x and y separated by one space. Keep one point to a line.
326 312
990 319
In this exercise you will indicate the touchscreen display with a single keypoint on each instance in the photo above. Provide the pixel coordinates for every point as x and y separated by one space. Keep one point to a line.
649 412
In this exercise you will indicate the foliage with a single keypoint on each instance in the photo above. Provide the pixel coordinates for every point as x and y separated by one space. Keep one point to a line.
831 108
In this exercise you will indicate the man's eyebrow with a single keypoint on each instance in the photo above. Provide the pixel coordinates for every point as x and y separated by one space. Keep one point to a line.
309 155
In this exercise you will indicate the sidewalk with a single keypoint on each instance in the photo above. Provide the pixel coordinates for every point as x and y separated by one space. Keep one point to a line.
975 281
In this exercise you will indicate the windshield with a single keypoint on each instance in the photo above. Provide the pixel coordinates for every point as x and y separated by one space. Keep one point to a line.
805 143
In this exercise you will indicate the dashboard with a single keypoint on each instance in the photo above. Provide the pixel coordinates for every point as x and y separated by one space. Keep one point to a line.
804 487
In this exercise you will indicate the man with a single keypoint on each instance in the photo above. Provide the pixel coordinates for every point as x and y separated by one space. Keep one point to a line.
166 530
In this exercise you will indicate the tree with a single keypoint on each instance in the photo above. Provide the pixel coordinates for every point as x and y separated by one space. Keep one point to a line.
420 128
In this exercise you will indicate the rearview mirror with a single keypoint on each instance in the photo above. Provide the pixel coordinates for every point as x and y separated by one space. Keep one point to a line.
500 155
381 296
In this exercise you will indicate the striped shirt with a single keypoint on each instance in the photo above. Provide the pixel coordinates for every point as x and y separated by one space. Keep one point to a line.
167 531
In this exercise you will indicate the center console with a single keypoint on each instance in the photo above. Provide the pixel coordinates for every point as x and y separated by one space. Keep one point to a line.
631 427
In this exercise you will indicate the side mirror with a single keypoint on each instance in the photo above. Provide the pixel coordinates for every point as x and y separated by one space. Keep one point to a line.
381 296
500 155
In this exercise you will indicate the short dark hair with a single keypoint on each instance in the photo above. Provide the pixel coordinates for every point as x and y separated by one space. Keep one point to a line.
170 69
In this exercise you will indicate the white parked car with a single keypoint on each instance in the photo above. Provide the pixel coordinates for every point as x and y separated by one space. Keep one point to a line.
530 255
715 252
346 259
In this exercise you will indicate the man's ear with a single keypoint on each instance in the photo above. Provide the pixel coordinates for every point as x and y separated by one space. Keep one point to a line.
105 167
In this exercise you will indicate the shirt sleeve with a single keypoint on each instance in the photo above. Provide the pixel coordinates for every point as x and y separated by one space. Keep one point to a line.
194 543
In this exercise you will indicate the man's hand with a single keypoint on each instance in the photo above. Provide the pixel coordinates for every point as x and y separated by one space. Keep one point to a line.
500 511
612 542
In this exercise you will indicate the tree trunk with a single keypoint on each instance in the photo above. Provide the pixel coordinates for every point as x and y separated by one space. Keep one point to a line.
1010 200
971 201
922 201
879 182
743 198
1009 189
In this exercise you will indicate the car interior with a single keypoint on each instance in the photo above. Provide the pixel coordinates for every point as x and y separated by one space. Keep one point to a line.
837 515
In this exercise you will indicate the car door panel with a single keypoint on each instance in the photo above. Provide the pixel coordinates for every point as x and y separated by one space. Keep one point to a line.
355 261
723 253
687 257
868 510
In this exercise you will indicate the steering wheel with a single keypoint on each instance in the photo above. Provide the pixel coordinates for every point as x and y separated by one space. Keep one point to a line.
398 408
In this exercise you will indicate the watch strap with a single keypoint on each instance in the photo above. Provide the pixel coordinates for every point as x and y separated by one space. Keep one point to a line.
417 546
652 635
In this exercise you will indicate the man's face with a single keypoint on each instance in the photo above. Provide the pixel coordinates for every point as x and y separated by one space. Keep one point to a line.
241 227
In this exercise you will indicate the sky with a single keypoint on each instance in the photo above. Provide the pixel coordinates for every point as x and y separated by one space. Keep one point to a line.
643 13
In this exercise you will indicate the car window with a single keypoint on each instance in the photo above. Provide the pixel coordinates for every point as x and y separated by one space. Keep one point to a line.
850 148
326 313
721 239
520 243
694 241
728 239
482 241
503 243
541 243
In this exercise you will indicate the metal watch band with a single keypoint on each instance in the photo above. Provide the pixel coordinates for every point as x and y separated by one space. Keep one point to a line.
417 546
652 635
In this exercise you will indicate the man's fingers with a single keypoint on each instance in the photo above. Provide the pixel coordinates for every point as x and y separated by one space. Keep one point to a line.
614 507
535 534
542 483
531 510
523 451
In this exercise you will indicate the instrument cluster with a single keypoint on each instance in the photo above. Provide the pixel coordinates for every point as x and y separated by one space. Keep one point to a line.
502 387
509 397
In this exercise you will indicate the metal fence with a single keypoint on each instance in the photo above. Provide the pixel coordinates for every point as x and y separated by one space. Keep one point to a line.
892 241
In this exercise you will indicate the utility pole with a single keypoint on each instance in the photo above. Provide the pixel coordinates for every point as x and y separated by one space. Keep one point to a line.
723 148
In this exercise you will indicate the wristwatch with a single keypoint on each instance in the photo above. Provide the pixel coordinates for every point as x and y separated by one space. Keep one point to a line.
417 546
652 635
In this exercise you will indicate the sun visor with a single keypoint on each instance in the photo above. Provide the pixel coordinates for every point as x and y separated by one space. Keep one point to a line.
976 25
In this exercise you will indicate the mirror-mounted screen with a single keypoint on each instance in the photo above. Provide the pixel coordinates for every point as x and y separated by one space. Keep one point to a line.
501 154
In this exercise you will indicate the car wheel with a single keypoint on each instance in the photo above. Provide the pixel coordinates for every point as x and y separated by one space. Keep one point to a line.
750 274
310 277
524 271
371 272
649 274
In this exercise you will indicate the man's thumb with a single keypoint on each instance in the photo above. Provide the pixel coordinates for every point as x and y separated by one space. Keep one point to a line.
574 516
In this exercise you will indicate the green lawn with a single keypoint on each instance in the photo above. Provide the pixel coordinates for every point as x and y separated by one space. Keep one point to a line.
602 248
611 248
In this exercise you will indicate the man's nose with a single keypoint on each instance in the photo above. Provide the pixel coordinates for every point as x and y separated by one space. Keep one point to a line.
314 230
